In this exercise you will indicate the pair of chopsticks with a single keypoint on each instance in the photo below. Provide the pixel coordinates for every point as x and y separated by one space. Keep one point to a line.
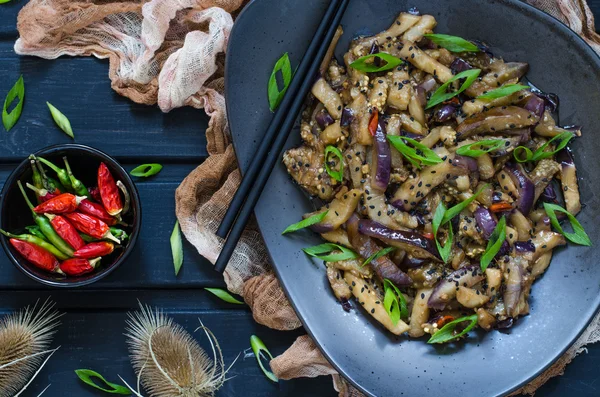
263 161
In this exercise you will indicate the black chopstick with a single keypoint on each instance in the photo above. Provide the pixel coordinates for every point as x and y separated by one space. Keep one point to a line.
280 139
300 76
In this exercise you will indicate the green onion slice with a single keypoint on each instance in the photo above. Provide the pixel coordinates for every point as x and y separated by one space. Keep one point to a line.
284 66
494 244
17 91
452 43
394 302
224 295
177 248
258 347
318 252
337 175
446 333
457 209
440 95
362 64
417 154
578 236
146 170
437 221
61 120
379 254
523 154
314 219
478 148
86 376
503 91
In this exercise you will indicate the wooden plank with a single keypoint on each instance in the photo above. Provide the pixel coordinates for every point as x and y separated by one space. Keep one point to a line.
8 22
95 340
150 264
80 88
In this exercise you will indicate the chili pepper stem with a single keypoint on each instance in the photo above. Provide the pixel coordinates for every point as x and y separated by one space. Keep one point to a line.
109 236
95 262
25 196
78 186
63 176
49 164
50 216
40 192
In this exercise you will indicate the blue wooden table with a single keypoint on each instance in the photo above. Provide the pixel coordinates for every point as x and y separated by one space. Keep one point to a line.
91 334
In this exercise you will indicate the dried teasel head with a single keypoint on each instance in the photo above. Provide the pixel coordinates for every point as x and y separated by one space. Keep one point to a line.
25 337
167 359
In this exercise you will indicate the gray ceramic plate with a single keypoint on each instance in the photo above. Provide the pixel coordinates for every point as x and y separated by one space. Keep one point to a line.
563 301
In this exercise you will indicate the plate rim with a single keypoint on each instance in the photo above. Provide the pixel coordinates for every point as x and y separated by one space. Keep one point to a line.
515 4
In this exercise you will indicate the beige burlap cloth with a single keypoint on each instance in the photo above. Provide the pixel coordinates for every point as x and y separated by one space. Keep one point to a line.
170 53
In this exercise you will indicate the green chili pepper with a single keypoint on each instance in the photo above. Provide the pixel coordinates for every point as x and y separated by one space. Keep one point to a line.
77 185
119 233
49 183
39 242
36 231
46 227
36 179
63 175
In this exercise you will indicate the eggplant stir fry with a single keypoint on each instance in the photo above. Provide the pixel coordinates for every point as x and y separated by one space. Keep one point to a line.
444 180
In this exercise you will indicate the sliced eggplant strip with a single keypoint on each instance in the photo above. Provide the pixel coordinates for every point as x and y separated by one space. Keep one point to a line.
413 54
403 23
423 26
479 105
500 73
542 174
337 236
471 298
338 285
568 179
373 303
445 291
355 266
485 166
328 97
541 264
359 126
496 119
332 133
340 210
420 313
399 90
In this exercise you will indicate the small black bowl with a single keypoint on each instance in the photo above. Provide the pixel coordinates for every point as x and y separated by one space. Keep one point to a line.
15 216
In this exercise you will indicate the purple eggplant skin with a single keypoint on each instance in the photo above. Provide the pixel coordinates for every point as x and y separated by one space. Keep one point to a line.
421 95
324 119
495 120
524 246
382 161
513 286
428 84
414 11
549 195
366 247
468 163
524 185
347 117
460 65
445 291
570 186
485 221
551 101
346 305
536 106
375 50
445 113
413 243
505 324
410 262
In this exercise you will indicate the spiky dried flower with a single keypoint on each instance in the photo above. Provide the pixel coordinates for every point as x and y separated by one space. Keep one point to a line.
25 337
167 359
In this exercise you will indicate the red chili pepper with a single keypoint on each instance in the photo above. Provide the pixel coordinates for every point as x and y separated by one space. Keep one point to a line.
36 255
109 192
95 249
60 204
66 231
91 226
502 206
444 320
374 123
79 266
96 210
428 235
43 194
95 193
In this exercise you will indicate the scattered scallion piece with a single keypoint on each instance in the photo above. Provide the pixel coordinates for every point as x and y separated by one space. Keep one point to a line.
440 95
457 209
378 254
61 120
523 154
284 66
494 244
146 170
318 252
452 43
258 347
418 154
446 333
478 148
337 175
224 295
435 225
86 376
312 220
177 248
17 91
503 91
362 65
578 236
394 302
